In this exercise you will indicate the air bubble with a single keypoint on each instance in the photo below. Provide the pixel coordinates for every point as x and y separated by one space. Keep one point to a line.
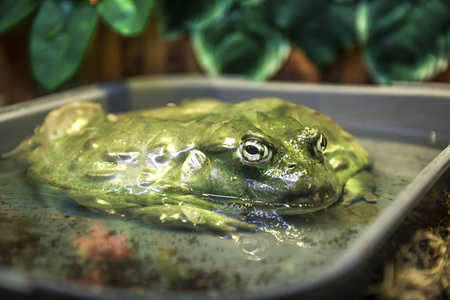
253 246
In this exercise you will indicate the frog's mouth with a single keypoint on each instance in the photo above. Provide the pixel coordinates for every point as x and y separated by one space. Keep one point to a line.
296 203
296 200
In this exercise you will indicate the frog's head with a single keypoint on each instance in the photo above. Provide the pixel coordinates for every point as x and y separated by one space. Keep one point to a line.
269 163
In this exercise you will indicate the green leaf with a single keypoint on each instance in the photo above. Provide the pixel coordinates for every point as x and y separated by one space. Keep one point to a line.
322 28
405 40
342 1
14 11
60 36
241 43
127 17
180 16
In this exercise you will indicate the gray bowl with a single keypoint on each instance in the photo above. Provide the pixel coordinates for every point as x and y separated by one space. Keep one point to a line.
405 128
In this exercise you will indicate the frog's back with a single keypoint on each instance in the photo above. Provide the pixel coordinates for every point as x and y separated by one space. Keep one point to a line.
343 148
199 110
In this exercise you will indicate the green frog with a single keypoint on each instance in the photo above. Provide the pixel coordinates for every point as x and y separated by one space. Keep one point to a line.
203 163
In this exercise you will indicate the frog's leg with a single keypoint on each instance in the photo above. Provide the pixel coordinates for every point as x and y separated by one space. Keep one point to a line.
175 211
70 119
359 187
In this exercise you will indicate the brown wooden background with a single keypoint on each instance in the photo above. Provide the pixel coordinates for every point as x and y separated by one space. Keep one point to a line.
112 57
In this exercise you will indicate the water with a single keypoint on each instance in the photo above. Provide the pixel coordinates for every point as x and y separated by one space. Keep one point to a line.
49 236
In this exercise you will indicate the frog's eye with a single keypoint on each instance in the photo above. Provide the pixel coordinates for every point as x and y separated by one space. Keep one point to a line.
320 146
254 152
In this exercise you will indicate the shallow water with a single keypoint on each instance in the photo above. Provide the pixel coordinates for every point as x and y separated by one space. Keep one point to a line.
50 236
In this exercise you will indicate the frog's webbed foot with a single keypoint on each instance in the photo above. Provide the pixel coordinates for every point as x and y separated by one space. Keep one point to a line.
214 220
173 211
185 215
359 187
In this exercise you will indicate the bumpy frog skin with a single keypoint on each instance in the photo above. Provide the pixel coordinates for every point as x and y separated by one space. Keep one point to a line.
198 163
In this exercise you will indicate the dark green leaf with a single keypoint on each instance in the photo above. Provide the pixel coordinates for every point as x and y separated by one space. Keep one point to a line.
405 40
341 1
180 16
127 17
241 43
14 11
249 3
322 28
60 37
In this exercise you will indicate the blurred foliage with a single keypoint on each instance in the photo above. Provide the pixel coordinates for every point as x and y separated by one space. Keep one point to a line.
59 39
179 17
127 17
14 11
241 43
401 40
405 40
321 28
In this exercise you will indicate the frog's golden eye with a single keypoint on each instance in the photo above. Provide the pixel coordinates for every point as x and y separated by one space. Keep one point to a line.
254 152
320 146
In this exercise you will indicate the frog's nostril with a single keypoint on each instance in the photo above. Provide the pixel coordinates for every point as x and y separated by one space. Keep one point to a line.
291 166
